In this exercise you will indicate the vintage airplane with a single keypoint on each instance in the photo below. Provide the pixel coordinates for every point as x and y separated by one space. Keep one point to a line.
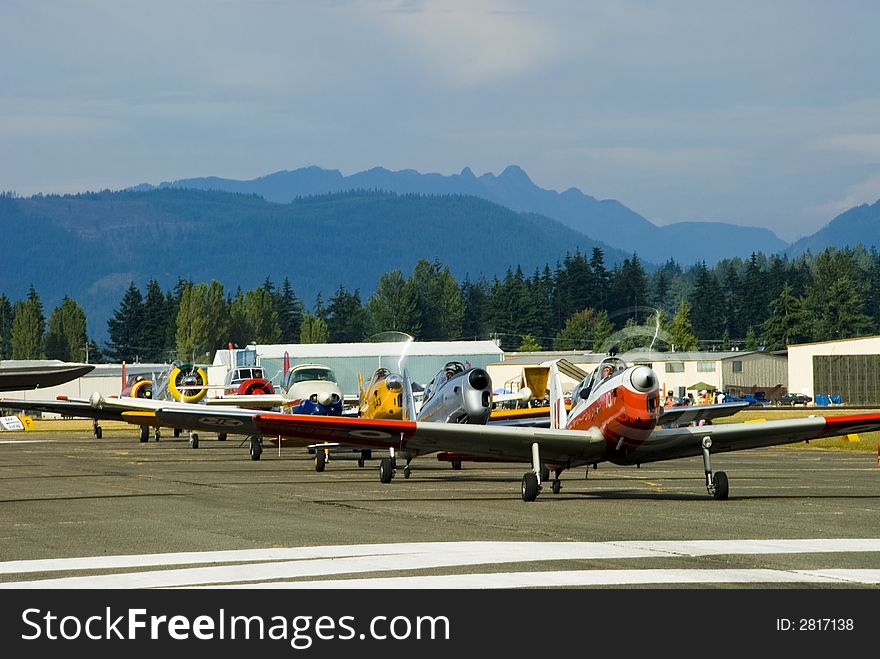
181 384
615 417
21 374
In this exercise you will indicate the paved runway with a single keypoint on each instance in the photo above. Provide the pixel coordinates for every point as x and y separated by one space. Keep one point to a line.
162 514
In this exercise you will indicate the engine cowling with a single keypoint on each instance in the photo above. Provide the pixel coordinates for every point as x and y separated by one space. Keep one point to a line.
187 383
255 387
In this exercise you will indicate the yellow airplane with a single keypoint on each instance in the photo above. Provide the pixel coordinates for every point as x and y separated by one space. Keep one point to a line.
382 397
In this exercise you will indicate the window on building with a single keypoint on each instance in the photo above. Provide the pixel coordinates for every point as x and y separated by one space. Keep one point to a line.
706 367
737 367
675 367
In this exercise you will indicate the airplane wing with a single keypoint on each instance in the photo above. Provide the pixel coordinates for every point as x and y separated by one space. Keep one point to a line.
71 408
692 413
671 443
427 437
261 401
562 446
234 420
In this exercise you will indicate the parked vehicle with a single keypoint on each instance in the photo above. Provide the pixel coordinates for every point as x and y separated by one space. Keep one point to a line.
794 399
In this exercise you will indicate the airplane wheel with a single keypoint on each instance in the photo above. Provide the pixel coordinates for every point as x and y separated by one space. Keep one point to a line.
145 434
221 436
386 470
176 433
98 433
320 459
407 472
722 487
256 448
157 435
557 487
456 464
530 486
361 462
194 440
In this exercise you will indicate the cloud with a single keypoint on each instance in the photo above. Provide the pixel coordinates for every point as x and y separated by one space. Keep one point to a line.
864 192
858 147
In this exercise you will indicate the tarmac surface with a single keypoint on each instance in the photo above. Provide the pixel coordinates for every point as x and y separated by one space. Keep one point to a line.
66 495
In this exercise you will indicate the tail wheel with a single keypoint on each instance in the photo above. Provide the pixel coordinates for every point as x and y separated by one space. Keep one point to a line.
320 459
256 448
186 383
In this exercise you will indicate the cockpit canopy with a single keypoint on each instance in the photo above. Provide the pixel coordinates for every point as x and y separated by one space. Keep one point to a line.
380 374
239 375
308 373
607 368
449 371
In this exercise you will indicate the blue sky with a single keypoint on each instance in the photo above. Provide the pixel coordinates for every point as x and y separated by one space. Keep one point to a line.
758 113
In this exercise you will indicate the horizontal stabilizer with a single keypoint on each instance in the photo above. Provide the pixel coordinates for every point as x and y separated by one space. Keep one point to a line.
567 368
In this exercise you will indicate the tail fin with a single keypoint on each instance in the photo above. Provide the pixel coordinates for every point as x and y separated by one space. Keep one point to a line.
122 388
558 414
408 408
361 392
286 362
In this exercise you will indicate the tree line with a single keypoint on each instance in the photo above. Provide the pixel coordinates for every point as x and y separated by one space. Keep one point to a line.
576 305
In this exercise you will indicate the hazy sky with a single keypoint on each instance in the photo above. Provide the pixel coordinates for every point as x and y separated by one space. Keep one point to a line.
762 113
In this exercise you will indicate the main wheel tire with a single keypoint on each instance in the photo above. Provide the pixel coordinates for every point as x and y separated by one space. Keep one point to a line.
361 462
221 436
157 435
320 459
194 440
98 433
145 434
722 487
407 472
256 449
530 486
386 470
556 487
456 464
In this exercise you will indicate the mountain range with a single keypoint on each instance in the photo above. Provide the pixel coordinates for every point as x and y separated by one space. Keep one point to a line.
606 220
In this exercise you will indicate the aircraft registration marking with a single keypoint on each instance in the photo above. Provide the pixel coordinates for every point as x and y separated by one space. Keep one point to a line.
221 421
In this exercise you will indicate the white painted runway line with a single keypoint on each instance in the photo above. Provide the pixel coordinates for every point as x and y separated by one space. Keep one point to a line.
271 565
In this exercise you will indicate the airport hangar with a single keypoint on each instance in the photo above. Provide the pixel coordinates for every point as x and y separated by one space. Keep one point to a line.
849 368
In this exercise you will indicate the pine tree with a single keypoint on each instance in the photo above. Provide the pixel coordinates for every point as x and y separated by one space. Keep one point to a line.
787 324
152 340
585 330
125 327
66 338
707 304
6 317
475 296
751 339
680 330
313 330
529 344
346 317
28 329
193 341
630 286
392 307
290 312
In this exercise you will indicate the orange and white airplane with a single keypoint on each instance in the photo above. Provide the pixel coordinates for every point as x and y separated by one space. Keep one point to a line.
615 417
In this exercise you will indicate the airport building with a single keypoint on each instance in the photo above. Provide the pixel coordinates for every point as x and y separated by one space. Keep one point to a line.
848 368
736 372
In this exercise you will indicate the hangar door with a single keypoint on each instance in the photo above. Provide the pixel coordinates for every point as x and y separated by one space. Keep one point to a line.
855 377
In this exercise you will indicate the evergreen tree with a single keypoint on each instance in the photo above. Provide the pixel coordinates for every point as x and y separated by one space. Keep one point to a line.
788 322
153 336
6 317
313 330
585 330
346 317
392 307
28 329
438 301
707 304
601 279
66 338
835 301
290 312
751 339
630 285
217 311
126 326
680 330
529 344
253 318
475 297
193 342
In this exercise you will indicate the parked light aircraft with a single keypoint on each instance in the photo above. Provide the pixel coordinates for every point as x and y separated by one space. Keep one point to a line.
615 417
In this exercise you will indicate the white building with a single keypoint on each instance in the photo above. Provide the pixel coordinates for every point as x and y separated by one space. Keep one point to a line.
849 368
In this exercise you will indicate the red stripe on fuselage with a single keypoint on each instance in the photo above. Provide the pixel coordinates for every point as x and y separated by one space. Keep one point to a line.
366 432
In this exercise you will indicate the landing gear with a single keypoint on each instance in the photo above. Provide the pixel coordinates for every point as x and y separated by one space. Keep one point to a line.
221 436
716 484
531 482
456 465
320 459
407 471
194 440
386 470
256 449
96 429
157 434
145 434
557 484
